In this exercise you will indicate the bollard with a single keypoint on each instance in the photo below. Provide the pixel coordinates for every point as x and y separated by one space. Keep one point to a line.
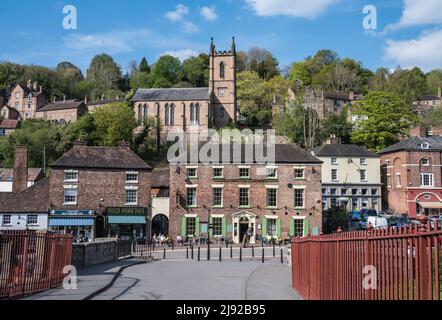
240 254
220 254
164 254
208 253
231 252
153 247
282 256
199 253
173 246
263 255
187 253
192 255
274 252
253 251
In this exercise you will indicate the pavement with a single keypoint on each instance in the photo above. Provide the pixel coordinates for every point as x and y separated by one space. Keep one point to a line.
182 280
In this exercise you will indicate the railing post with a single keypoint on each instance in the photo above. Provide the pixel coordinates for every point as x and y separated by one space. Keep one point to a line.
369 262
220 254
423 265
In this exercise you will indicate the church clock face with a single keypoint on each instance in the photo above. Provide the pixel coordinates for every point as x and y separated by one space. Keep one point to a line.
222 92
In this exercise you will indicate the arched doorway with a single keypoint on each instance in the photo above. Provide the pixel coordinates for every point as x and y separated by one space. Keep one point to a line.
99 227
160 225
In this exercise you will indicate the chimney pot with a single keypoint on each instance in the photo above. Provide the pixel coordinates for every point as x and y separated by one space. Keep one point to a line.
20 173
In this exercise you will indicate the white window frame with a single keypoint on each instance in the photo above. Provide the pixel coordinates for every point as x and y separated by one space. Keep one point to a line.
303 173
389 182
294 197
126 190
33 216
363 179
363 161
132 173
337 175
193 187
334 161
431 179
276 196
268 168
427 164
248 196
71 172
196 172
70 203
218 168
222 196
10 220
398 180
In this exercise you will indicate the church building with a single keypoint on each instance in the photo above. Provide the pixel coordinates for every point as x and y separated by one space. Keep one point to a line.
195 109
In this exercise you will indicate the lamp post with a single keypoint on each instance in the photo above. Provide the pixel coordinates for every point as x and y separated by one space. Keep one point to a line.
209 227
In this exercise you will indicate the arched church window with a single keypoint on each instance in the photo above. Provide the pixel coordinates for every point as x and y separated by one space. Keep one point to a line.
172 115
222 70
166 114
140 115
145 113
192 114
197 113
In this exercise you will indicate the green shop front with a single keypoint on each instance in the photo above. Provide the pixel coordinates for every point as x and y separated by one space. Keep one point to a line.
128 222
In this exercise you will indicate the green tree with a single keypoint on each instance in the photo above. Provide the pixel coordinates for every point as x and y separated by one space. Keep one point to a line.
433 118
168 68
383 118
115 123
104 74
254 97
196 70
407 84
263 62
299 72
379 80
337 125
434 81
335 218
144 66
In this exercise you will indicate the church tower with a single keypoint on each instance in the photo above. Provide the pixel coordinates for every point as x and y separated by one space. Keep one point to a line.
222 86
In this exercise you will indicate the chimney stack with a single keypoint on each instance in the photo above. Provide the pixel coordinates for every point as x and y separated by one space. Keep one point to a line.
333 140
20 173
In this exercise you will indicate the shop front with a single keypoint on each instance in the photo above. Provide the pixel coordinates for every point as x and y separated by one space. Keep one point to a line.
79 223
127 223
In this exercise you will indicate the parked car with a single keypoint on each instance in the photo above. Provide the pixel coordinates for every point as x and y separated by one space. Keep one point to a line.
376 222
369 213
435 219
356 215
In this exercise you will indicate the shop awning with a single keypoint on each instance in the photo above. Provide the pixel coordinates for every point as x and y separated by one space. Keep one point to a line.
126 220
56 222
431 205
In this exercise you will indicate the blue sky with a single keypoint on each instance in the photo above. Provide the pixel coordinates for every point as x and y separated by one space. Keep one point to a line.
409 31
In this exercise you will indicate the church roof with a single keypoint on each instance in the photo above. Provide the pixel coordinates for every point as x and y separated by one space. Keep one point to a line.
173 94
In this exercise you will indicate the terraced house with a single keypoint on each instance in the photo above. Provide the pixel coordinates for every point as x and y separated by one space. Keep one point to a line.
277 199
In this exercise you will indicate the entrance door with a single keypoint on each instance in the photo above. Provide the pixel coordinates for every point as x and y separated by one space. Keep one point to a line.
243 227
160 225
99 228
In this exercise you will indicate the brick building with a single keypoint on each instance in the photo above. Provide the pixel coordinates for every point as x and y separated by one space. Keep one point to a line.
62 112
26 207
160 200
194 108
427 103
7 178
27 99
276 199
412 175
100 191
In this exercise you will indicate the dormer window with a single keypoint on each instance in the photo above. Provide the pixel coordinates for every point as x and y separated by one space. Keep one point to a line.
425 146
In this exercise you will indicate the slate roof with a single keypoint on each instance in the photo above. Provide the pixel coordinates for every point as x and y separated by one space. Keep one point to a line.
414 144
34 199
284 154
343 150
61 105
33 174
27 91
429 98
161 177
174 94
102 102
344 97
121 157
9 124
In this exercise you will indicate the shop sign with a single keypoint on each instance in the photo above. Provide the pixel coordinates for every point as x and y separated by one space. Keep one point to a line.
73 213
127 211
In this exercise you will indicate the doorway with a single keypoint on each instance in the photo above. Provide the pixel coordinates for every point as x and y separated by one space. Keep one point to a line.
243 221
160 225
243 227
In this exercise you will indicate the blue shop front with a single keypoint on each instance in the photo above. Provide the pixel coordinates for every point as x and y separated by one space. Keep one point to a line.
79 223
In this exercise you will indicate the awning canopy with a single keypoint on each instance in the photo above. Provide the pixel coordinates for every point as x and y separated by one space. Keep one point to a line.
431 205
60 222
126 219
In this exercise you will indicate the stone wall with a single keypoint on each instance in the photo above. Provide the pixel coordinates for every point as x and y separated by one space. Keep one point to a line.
90 254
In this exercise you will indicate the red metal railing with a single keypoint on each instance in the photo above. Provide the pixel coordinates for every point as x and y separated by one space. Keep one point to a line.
407 265
32 262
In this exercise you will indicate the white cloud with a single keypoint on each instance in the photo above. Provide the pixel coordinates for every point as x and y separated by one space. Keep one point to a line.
209 13
418 12
423 52
189 27
295 8
180 12
182 54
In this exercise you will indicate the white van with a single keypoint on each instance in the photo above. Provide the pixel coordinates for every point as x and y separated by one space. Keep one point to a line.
377 222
